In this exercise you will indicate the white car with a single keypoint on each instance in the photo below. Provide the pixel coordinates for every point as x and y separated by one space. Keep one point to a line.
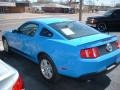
10 78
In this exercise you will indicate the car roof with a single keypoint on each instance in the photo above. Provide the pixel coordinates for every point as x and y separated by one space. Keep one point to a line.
51 20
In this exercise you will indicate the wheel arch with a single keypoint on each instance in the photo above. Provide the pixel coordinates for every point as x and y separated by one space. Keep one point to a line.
41 54
102 22
3 37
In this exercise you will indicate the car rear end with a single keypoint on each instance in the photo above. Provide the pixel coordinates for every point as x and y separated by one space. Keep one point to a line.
10 78
87 51
98 54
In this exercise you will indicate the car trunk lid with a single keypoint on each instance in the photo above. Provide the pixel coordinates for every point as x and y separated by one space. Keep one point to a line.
5 71
100 41
93 40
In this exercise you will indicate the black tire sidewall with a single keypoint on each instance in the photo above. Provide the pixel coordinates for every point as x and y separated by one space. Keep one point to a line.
104 26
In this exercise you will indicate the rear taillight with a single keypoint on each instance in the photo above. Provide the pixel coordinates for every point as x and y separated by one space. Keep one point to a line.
90 53
19 85
117 44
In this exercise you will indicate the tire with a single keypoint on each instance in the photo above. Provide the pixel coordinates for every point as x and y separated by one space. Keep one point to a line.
47 69
5 45
101 27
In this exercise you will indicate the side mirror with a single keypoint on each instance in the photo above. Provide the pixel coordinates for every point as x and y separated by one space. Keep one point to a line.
14 31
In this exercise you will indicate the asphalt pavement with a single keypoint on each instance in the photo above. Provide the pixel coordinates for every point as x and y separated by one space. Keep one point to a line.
34 81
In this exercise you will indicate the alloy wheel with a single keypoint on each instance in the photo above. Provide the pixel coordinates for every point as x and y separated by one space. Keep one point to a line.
46 69
102 27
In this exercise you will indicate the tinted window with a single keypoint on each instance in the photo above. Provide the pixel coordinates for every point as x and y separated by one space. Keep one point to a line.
28 29
45 32
108 13
73 29
117 13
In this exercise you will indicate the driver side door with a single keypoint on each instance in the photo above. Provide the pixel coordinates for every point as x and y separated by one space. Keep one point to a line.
27 39
23 36
115 21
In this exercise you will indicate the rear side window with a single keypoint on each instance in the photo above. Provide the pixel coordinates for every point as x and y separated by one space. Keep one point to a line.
46 33
73 29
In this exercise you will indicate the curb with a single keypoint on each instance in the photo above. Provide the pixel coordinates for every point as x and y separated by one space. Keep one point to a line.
20 18
47 15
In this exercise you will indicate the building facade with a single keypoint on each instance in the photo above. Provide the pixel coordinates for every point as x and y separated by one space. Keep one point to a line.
4 6
11 6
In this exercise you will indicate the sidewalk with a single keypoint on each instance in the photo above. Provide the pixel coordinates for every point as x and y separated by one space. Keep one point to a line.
12 16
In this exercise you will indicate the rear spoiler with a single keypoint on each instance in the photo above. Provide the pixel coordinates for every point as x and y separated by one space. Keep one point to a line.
104 40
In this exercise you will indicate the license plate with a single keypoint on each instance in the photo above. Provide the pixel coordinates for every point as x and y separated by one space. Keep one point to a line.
111 67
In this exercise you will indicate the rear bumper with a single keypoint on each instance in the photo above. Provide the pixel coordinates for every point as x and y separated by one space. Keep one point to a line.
94 75
77 68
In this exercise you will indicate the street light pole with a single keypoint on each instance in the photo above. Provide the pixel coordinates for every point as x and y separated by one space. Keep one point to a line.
80 10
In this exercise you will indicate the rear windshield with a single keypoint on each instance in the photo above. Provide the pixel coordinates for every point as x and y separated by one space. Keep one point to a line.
73 29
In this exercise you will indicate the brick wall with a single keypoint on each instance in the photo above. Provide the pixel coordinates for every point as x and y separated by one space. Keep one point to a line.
15 9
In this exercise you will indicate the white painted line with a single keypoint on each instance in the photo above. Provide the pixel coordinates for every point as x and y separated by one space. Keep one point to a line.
1 48
9 23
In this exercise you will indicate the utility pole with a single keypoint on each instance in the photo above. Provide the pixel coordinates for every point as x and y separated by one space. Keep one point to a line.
80 9
75 6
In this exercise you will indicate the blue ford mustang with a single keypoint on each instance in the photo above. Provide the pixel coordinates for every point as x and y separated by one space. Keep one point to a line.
64 47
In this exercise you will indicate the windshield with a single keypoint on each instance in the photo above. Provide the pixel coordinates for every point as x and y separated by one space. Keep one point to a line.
73 29
108 13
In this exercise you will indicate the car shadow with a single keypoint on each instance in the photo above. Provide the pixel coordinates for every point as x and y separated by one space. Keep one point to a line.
34 81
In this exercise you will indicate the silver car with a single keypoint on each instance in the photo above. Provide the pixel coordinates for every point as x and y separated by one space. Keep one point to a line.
10 78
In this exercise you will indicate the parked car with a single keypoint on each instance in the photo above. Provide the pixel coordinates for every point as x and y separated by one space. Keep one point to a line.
64 47
10 78
110 21
38 10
